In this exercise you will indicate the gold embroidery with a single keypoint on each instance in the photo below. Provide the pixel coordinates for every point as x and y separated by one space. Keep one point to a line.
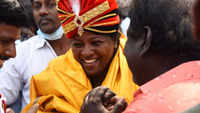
69 27
65 14
95 11
103 24
103 17
62 21
79 23
66 17
80 31
62 11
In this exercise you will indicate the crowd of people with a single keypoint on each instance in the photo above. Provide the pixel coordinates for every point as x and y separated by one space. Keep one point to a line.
75 57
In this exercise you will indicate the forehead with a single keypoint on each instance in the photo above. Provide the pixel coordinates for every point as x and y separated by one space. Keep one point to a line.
9 32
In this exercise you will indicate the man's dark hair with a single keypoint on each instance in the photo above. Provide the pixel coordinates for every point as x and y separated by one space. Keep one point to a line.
12 15
169 20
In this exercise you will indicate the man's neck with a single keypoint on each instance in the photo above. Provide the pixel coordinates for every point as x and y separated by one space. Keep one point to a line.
60 46
156 66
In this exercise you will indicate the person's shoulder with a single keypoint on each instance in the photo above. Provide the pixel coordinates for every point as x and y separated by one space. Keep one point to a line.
63 59
61 63
58 60
186 71
53 67
33 43
28 43
194 64
191 67
56 63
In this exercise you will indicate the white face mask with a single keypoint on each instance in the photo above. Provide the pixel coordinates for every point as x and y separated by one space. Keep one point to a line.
53 36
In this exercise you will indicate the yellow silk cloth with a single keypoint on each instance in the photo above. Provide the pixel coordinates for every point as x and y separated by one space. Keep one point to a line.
64 84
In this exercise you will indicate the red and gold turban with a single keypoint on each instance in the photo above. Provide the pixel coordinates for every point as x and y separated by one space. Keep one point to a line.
98 16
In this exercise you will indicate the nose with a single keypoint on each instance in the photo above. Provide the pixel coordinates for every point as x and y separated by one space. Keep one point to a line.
11 51
43 11
87 52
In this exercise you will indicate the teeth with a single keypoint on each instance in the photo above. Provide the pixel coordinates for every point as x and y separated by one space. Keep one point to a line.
89 61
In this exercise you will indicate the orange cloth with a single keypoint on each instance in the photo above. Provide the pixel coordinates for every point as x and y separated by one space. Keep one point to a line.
63 85
172 92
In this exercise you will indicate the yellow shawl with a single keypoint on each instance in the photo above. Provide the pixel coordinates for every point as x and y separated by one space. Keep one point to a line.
63 85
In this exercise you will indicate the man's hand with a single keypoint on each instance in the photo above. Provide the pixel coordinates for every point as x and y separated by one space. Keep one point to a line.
9 110
102 100
33 109
35 106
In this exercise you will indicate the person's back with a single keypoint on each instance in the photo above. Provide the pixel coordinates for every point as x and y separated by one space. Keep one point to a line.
173 91
159 37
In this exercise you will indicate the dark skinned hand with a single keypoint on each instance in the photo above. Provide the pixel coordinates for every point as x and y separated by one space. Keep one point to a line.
102 100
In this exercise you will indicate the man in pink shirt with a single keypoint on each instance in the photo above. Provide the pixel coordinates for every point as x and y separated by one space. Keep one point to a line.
174 91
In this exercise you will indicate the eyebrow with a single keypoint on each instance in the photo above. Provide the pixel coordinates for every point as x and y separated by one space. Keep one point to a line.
7 39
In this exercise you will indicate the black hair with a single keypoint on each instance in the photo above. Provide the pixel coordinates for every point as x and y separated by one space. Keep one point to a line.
12 15
108 28
169 20
28 10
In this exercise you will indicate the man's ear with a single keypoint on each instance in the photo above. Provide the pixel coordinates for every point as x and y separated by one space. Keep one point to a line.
147 40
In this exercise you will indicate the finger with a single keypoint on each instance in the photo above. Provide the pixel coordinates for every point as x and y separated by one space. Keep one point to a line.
108 95
93 102
97 94
9 110
86 98
85 103
101 91
89 98
93 92
119 106
34 108
112 101
115 99
36 100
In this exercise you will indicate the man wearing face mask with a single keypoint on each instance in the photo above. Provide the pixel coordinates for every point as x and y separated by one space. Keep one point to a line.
34 54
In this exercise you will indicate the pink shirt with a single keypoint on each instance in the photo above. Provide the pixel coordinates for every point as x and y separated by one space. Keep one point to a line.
172 92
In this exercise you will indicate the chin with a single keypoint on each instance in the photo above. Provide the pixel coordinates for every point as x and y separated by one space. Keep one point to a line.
90 74
48 30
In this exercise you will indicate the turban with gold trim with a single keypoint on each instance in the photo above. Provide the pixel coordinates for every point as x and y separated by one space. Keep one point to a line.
99 16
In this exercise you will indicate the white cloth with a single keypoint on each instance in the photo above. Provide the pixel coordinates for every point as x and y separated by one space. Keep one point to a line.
125 25
32 57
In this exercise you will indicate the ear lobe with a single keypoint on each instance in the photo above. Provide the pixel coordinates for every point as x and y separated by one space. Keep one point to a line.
147 39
